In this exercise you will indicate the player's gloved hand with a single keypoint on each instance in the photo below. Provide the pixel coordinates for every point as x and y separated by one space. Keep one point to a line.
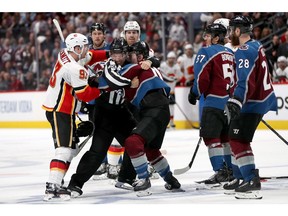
234 106
192 98
93 81
189 82
85 107
84 128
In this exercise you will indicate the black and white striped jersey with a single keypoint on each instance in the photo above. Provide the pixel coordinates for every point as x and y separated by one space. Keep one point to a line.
115 97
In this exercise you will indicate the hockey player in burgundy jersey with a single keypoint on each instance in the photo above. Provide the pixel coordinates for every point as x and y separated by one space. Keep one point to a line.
68 84
214 78
253 97
151 99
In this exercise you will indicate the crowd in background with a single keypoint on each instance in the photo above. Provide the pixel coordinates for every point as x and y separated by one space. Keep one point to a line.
29 42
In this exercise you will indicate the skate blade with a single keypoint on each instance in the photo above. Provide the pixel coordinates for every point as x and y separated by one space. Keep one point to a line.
75 194
124 186
143 193
249 195
176 190
53 198
210 187
229 192
100 177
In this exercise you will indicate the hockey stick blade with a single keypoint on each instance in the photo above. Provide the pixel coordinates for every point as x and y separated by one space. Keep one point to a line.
181 171
185 169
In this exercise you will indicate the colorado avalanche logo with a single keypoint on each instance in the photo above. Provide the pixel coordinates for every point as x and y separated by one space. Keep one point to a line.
244 47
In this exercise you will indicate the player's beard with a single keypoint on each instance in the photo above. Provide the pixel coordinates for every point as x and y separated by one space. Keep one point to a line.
234 40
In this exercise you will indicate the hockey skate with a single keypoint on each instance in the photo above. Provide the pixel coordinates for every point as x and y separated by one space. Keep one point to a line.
126 184
112 171
55 192
231 186
222 175
152 172
249 189
141 187
172 183
101 172
75 191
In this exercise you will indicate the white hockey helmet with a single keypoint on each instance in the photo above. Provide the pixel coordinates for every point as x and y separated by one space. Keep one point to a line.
132 25
224 22
171 54
75 39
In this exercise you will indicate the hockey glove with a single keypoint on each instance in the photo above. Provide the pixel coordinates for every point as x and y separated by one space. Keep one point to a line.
85 107
93 81
234 106
84 128
192 98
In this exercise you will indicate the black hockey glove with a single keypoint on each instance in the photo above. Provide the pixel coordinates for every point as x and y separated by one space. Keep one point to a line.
84 128
192 98
85 107
234 106
93 81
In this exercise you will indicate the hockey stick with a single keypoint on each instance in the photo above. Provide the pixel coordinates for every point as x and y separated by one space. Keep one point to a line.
274 131
57 25
185 169
190 123
274 177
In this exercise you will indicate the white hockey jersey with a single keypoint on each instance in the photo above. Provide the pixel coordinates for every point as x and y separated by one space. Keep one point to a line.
171 75
67 85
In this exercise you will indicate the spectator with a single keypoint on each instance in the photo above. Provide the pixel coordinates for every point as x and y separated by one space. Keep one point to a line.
15 84
283 48
29 81
177 30
198 42
272 51
4 81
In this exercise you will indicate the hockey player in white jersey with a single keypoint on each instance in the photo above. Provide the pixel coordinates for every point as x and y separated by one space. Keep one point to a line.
67 86
172 74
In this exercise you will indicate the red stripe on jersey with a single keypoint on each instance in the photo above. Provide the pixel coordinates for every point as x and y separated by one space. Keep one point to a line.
66 101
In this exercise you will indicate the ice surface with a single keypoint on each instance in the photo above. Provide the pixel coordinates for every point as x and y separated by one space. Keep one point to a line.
24 167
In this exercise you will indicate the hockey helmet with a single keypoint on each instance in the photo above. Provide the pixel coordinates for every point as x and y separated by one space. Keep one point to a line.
224 22
119 45
75 39
245 23
132 26
217 29
171 54
98 27
140 47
